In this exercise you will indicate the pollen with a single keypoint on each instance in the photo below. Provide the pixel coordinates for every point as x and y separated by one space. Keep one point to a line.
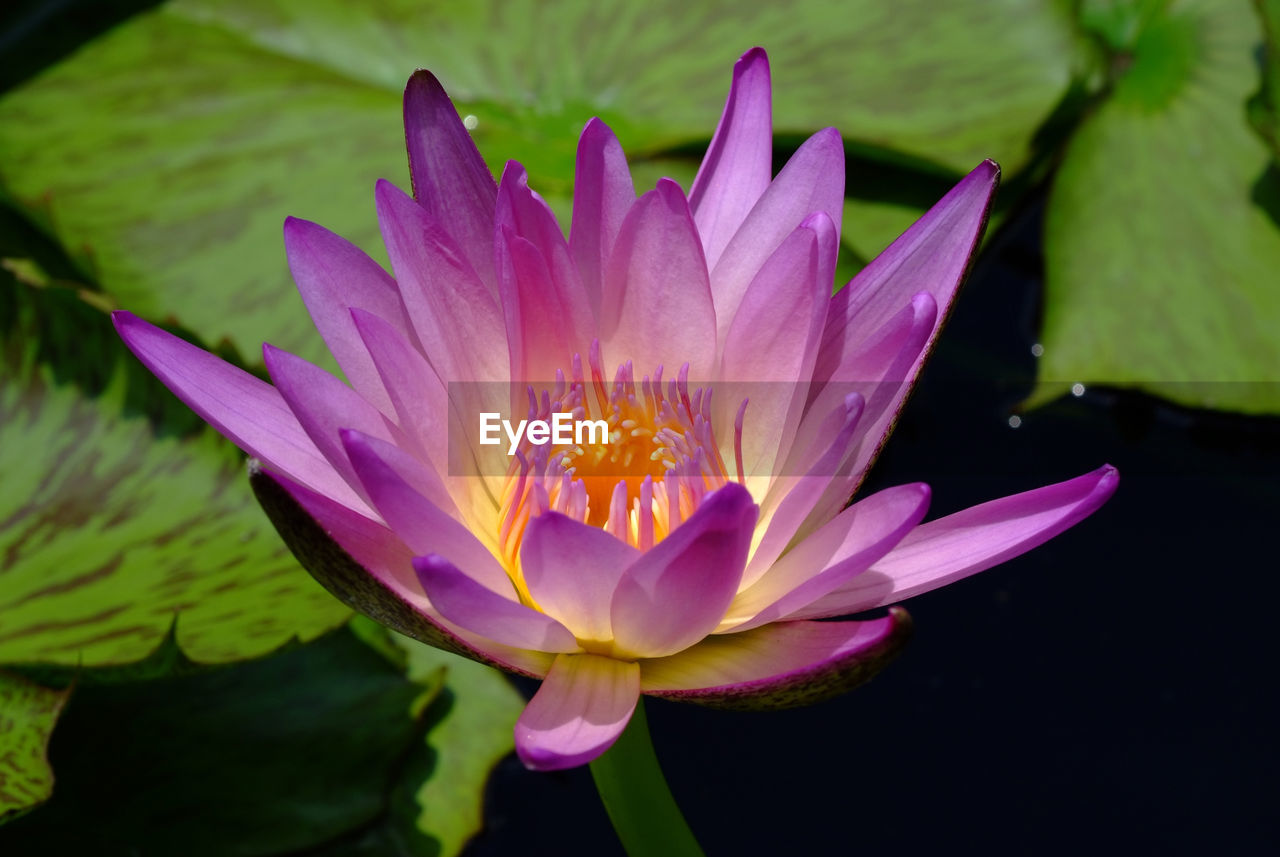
660 458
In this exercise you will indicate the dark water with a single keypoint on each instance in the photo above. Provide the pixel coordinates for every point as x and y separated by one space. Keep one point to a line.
1111 692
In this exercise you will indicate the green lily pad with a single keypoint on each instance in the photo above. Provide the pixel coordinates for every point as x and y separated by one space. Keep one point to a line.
167 152
1161 243
1264 107
109 531
27 715
472 730
268 757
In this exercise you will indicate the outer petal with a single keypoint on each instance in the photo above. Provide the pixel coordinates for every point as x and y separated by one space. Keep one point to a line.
773 340
366 567
954 547
843 549
783 665
396 484
739 161
933 255
582 707
571 570
457 320
657 305
450 179
465 602
417 398
677 591
324 405
249 412
812 181
602 194
333 275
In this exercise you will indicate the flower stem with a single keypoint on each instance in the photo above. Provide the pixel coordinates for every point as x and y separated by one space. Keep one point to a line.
637 798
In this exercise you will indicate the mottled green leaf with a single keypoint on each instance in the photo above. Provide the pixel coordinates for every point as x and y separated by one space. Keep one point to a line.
1264 106
1161 244
169 151
266 757
471 730
108 532
28 713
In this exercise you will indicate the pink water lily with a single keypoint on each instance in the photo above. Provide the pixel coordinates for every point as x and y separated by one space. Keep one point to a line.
685 556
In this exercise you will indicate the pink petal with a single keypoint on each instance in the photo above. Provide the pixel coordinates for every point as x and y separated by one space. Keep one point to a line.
677 592
324 405
739 161
369 569
783 665
582 707
249 412
463 601
547 310
948 549
812 181
773 341
791 498
456 318
417 397
657 307
332 275
844 548
932 256
871 371
396 484
571 570
602 194
450 179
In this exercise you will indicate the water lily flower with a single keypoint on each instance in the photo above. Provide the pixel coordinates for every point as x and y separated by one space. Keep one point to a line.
687 554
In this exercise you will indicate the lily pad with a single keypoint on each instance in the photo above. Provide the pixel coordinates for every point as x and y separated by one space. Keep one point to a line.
268 757
169 151
27 715
1161 236
109 531
472 723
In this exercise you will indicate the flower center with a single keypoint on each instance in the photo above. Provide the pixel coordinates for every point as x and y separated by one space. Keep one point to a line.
659 459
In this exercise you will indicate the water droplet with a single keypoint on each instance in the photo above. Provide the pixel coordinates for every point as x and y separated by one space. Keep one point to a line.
470 121
1037 350
1015 421
1077 389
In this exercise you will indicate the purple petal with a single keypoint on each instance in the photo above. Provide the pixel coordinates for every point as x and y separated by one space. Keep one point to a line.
783 665
948 549
417 397
812 181
450 179
547 312
932 256
249 412
774 338
582 707
457 319
571 570
739 161
463 601
602 194
369 569
396 483
795 496
887 353
678 591
843 549
657 307
332 275
324 405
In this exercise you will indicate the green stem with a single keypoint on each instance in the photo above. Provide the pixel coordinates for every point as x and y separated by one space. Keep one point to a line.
636 796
